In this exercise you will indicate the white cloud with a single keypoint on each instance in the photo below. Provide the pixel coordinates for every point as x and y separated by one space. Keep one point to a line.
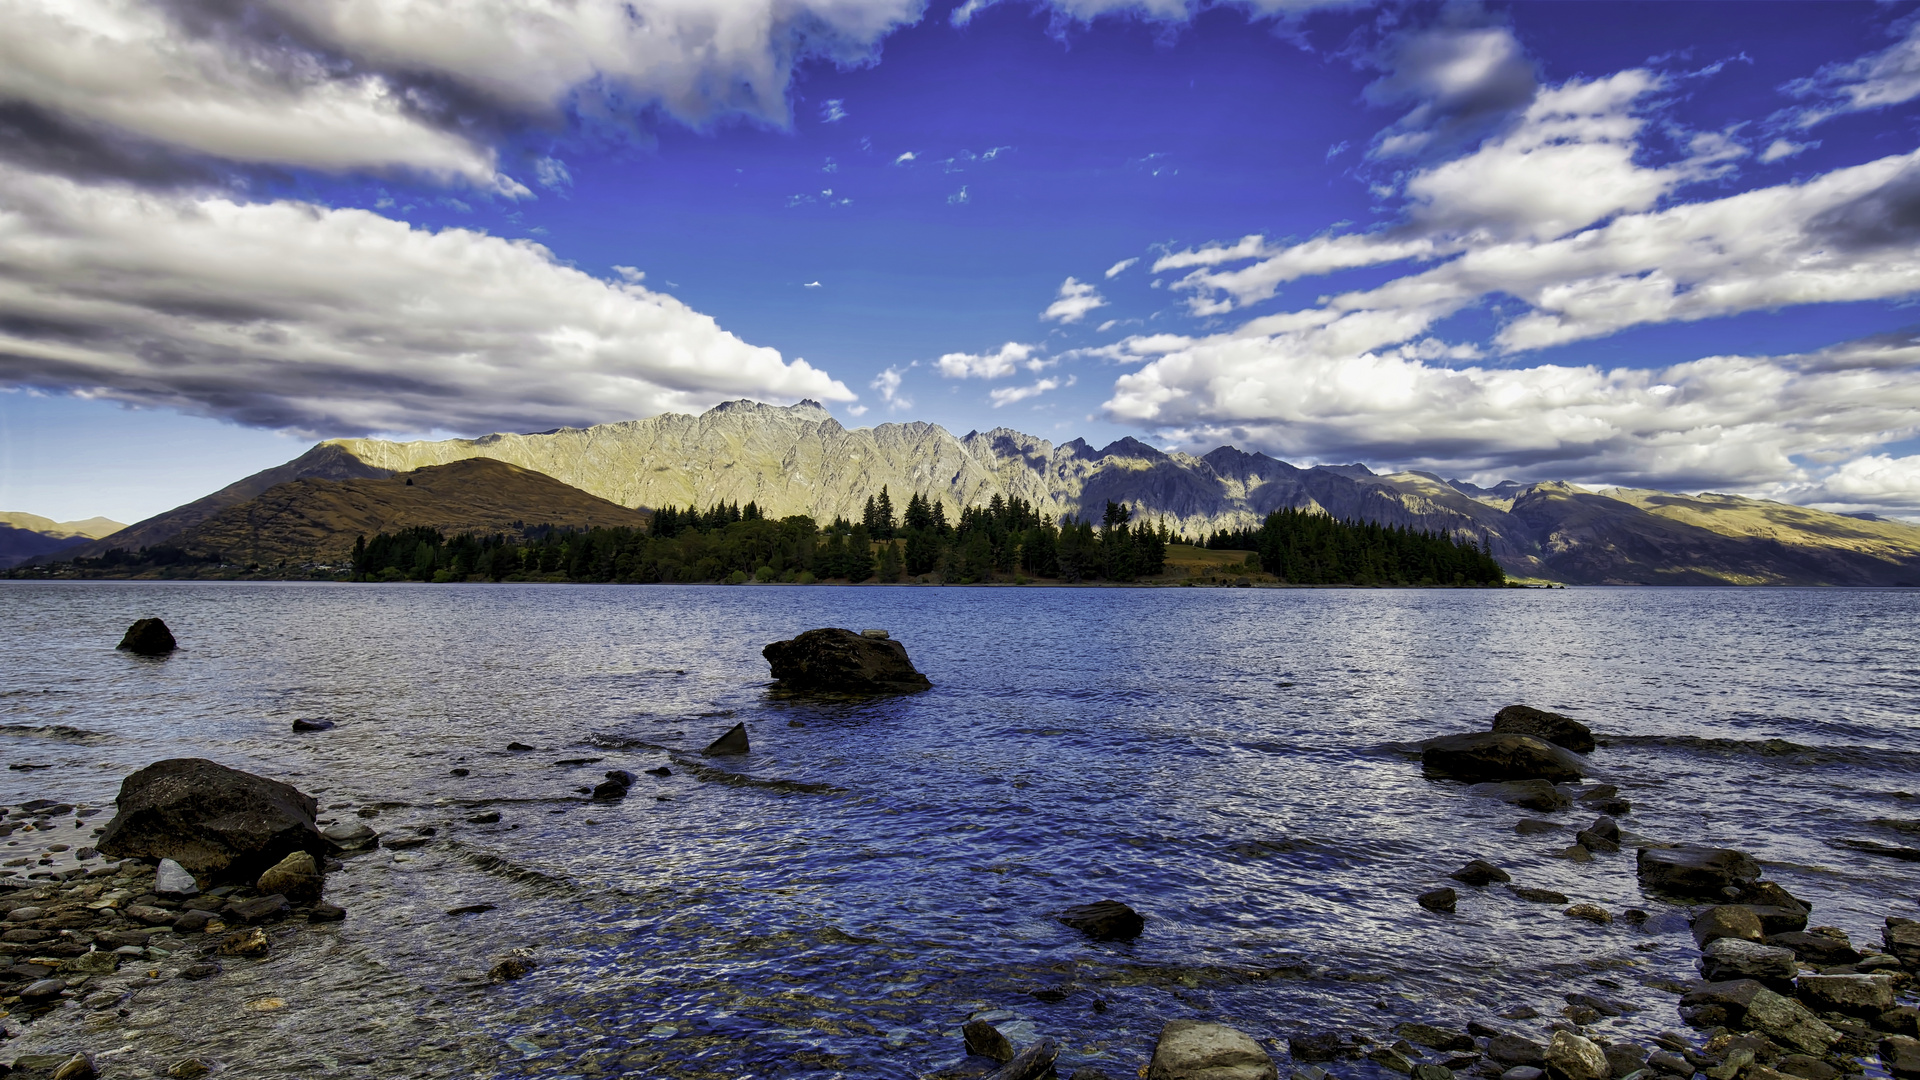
1117 268
811 285
958 197
356 84
1727 420
1007 395
905 158
287 315
552 173
991 365
1780 149
1075 299
1888 77
1876 482
833 111
888 383
1466 77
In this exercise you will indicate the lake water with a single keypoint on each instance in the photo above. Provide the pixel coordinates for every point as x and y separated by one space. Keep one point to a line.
1232 763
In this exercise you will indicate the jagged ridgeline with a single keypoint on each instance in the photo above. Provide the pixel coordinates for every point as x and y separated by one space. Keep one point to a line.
1312 549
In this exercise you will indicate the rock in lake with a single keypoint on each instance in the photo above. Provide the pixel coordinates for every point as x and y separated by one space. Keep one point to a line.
245 943
1902 938
1901 1055
1820 948
1442 900
77 1067
1571 1057
1861 995
1554 728
1434 1038
842 661
1105 920
1481 757
296 877
148 637
350 835
1727 921
732 743
1192 1050
1480 872
172 880
1728 958
304 724
986 1040
1033 1063
212 820
1699 873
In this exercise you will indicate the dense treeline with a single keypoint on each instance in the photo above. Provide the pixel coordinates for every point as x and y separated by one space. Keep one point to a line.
1313 549
728 542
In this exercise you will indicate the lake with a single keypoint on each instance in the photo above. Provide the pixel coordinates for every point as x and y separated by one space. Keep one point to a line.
1233 763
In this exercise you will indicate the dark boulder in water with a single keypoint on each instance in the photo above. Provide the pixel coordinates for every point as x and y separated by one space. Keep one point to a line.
1481 757
1479 872
148 637
212 820
842 661
1439 899
312 725
733 742
1554 728
1105 920
1699 873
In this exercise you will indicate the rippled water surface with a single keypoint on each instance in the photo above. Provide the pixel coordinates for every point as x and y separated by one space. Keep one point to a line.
1230 762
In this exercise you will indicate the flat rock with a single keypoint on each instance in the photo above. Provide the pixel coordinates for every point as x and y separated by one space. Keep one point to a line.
1434 1038
1818 949
1509 1049
304 724
1480 872
1557 729
350 835
262 909
1193 1050
1695 872
1105 920
148 637
841 661
1489 756
1538 896
1731 958
212 820
1901 1055
1861 995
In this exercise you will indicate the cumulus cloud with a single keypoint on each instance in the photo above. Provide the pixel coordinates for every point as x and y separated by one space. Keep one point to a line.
1876 482
1464 79
411 85
1165 11
888 383
1888 77
1074 300
1005 361
1718 421
287 315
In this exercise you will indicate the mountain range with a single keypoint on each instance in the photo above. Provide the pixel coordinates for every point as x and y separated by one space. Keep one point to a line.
799 460
24 536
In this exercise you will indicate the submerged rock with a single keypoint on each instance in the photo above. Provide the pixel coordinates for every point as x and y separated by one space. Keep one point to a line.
1479 757
350 835
1554 728
304 724
842 661
1700 873
148 637
1105 920
1192 1050
212 820
1531 794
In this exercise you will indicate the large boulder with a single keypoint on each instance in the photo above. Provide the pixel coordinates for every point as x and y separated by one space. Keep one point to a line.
148 637
1487 756
1105 920
1746 1005
1193 1050
843 661
1554 728
1862 995
1573 1057
1728 959
1903 941
1695 873
214 821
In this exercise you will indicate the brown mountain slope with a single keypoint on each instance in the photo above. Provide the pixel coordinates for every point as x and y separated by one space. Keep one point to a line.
317 520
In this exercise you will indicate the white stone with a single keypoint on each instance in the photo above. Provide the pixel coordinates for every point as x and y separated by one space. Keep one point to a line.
172 879
1191 1050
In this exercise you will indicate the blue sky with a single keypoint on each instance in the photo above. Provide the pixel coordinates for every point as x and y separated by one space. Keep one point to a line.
1652 244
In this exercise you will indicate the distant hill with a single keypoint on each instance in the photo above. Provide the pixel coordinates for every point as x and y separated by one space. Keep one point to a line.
24 536
800 460
317 520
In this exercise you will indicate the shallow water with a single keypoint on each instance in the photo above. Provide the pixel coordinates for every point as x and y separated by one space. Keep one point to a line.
1229 762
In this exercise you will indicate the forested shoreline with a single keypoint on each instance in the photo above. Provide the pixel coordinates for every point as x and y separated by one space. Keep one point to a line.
1003 541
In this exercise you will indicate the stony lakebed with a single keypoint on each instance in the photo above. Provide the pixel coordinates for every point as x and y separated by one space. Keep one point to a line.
411 936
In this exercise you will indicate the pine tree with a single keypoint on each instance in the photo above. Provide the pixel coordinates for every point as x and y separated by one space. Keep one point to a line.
883 514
